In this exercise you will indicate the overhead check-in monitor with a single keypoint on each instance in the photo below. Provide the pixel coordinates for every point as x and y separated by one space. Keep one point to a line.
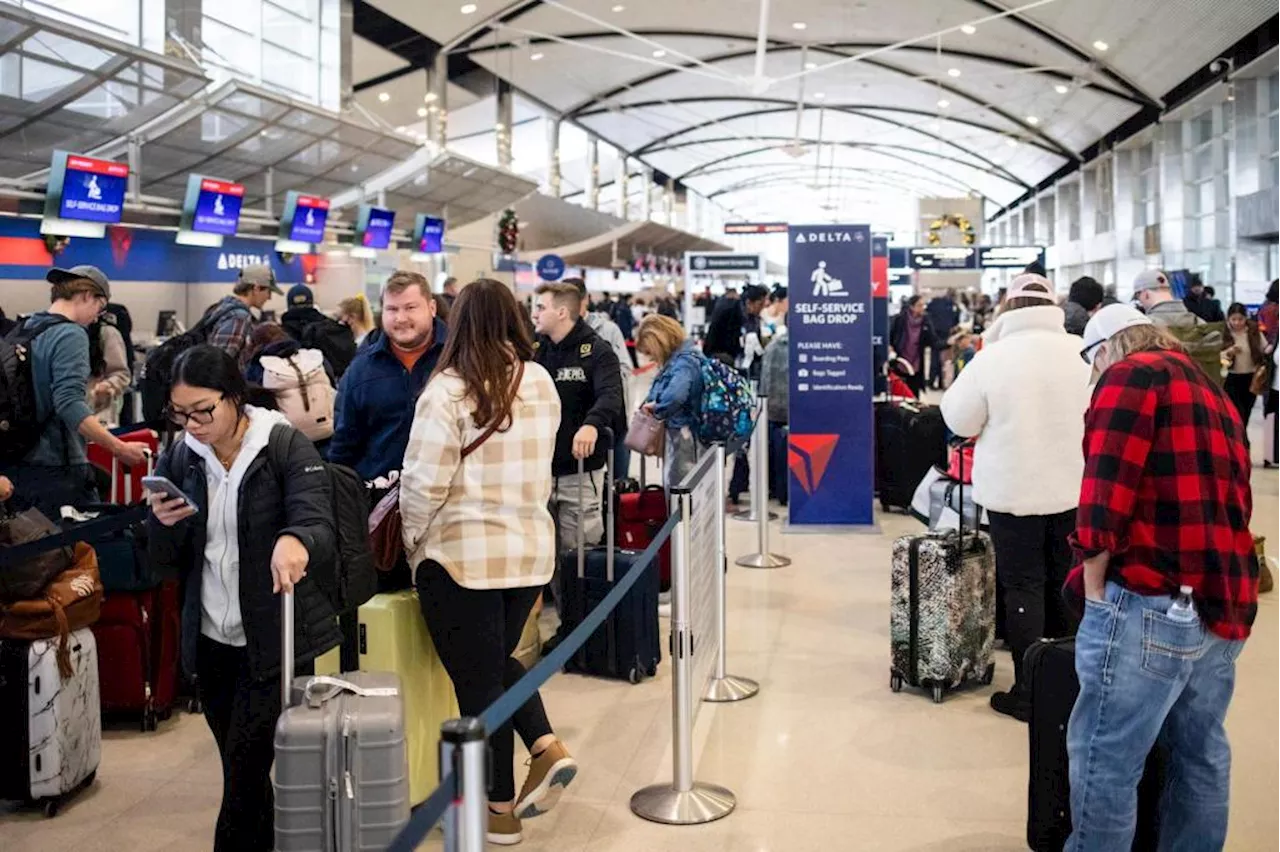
428 236
210 211
373 230
302 223
84 195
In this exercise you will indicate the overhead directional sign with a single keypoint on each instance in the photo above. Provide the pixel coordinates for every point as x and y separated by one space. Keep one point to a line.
550 267
955 257
717 262
755 227
1009 257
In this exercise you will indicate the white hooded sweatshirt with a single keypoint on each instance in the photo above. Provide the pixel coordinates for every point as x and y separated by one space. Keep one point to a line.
220 618
1024 395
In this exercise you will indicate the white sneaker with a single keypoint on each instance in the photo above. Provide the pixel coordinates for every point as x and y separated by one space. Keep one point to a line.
664 604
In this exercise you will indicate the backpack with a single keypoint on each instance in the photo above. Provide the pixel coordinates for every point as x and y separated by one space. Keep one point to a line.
124 325
157 372
1203 343
356 578
303 391
725 412
334 340
20 427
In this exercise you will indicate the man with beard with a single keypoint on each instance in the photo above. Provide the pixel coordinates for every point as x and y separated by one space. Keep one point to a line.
377 394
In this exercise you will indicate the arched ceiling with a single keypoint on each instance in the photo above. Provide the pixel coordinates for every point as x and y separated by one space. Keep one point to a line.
921 97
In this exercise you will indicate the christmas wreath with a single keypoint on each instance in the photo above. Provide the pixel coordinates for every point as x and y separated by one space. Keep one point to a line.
951 220
508 231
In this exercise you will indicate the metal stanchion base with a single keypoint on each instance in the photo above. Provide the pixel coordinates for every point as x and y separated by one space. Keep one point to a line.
749 515
763 560
730 688
704 803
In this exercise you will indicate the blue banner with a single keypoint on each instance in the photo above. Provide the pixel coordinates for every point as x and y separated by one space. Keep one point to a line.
831 448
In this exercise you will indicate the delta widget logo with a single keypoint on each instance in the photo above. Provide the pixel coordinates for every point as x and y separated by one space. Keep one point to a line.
808 457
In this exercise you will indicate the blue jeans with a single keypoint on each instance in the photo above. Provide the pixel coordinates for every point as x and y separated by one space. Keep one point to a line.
1144 676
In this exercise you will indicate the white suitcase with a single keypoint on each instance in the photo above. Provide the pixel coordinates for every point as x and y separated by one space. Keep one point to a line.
51 740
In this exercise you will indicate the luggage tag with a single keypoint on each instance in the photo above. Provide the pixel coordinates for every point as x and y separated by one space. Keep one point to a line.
336 685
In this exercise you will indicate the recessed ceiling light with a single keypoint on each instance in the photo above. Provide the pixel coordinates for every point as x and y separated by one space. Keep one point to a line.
658 54
468 9
429 97
1100 45
968 29
817 96
402 129
536 57
944 103
953 72
809 66
1062 88
422 112
619 8
799 25
384 96
1031 119
1011 142
355 167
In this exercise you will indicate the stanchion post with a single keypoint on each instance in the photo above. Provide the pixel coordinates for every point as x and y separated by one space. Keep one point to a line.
759 433
760 498
464 748
683 801
724 686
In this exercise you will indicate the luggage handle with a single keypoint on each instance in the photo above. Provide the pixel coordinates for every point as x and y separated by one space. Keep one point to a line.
335 685
960 514
607 435
128 480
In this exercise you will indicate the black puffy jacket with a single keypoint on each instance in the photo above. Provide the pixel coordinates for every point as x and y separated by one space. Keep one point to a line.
296 500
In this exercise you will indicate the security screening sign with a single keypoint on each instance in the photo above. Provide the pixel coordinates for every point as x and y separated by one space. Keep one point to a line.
830 450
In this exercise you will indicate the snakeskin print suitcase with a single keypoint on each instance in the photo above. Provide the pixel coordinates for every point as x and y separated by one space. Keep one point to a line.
942 621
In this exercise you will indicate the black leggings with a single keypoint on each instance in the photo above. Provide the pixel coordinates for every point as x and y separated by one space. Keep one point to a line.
1237 387
1032 561
475 632
242 714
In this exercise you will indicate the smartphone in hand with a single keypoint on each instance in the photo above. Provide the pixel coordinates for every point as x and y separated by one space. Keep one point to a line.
163 485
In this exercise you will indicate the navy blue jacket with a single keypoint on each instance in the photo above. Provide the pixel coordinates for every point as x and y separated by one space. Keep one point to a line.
376 399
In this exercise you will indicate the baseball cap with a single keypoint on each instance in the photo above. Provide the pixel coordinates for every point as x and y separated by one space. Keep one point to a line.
1019 288
85 272
1150 279
1107 323
300 296
260 275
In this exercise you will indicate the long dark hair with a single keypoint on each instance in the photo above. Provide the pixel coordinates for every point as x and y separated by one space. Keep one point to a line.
485 316
209 367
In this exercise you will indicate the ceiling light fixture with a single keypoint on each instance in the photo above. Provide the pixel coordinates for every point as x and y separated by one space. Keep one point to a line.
429 97
1061 88
817 96
953 72
1032 120
944 103
619 8
799 25
968 29
536 57
658 54
422 112
1100 45
401 129
468 9
1011 142
384 96
810 66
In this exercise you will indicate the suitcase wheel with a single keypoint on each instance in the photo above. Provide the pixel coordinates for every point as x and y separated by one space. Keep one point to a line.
634 675
989 675
895 681
938 692
51 807
149 721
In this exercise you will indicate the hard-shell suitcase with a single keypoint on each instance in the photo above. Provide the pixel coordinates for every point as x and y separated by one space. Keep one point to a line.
126 483
138 650
52 730
910 439
626 646
1050 669
341 775
641 514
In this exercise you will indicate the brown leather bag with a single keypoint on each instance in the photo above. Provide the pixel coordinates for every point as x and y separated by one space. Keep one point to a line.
647 434
28 578
73 600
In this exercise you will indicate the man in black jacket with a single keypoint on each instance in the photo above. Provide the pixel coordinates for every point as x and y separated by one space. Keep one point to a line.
730 319
586 373
312 329
1199 300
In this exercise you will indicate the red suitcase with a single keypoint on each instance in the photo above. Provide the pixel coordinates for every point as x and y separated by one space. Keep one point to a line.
126 483
640 515
137 638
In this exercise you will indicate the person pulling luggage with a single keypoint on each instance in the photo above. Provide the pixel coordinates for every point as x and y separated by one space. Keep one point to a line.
247 528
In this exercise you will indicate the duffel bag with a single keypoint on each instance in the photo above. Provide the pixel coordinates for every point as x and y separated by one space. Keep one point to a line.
24 577
72 601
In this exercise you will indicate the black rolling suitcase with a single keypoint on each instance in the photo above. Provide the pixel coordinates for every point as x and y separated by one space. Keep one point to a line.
626 645
1050 668
910 439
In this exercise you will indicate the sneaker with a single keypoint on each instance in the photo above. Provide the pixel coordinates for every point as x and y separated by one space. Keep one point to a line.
549 773
504 829
664 604
1012 703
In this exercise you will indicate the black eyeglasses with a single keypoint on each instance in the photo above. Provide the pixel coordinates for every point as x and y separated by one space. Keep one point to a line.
1086 354
201 416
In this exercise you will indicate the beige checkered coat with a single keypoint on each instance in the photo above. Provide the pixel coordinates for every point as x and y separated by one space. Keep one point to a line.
484 518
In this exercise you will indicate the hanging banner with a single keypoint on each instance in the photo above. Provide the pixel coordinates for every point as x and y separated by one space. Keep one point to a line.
880 310
830 451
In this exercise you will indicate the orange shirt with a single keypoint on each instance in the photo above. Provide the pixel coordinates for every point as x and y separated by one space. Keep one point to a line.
409 357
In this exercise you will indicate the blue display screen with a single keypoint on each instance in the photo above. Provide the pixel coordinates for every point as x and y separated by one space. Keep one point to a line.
217 207
93 190
377 230
309 217
431 235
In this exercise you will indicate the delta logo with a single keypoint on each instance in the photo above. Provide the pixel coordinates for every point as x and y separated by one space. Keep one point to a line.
808 457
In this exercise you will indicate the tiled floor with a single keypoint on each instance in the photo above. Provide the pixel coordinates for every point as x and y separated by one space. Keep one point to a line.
825 758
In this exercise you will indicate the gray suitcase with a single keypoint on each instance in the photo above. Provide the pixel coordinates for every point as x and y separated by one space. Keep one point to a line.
341 774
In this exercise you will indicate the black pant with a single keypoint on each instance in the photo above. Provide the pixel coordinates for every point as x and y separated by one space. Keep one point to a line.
242 714
1237 387
741 479
475 632
1032 561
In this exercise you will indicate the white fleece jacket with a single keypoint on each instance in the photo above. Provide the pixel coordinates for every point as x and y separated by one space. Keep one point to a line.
1024 395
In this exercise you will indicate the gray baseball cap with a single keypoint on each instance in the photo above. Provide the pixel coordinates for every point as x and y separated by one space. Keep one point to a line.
261 275
1150 279
84 272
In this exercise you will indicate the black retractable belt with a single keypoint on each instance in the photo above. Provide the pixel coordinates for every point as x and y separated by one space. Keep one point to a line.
88 531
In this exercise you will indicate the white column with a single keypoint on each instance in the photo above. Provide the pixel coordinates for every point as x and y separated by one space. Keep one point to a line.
623 185
593 173
437 99
553 156
502 126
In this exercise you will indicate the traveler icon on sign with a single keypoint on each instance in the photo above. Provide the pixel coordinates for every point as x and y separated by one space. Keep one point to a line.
824 284
218 209
92 189
311 218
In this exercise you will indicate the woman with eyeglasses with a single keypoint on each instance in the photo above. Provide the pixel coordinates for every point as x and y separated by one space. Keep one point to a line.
255 521
1023 396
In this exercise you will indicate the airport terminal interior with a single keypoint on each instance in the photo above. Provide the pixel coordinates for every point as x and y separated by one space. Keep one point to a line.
847 163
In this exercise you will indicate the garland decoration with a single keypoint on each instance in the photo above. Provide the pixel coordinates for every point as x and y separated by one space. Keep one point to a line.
508 231
951 220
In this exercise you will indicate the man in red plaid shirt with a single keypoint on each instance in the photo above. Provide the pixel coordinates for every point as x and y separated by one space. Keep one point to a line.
1169 584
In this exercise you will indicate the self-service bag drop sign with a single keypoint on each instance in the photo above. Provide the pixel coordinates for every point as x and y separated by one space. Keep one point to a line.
92 190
